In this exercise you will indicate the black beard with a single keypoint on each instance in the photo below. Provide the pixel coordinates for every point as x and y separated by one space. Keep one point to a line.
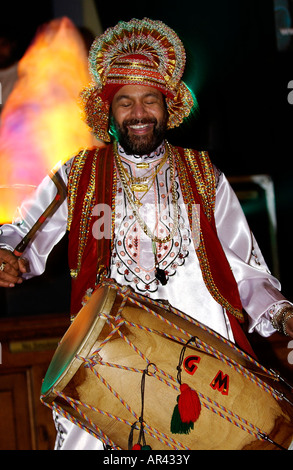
139 145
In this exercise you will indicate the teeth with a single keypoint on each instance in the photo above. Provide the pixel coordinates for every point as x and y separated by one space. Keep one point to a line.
139 126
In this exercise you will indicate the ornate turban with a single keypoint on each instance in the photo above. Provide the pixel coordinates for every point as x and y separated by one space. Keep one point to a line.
140 52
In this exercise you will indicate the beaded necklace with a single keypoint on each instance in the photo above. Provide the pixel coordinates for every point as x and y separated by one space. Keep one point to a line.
135 204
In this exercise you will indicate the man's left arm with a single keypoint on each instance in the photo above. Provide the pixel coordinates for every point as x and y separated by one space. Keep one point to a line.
260 292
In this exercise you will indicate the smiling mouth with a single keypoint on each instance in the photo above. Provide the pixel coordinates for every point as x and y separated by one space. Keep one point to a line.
141 128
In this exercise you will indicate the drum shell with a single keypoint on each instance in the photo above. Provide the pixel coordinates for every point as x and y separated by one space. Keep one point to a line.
157 335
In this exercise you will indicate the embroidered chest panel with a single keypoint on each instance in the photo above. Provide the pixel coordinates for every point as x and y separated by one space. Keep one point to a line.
132 256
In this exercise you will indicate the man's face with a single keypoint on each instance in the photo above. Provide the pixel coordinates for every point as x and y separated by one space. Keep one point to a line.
139 118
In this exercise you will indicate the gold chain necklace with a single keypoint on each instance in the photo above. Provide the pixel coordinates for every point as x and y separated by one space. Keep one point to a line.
138 184
135 204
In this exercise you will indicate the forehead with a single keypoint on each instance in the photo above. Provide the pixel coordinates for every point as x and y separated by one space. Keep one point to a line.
137 92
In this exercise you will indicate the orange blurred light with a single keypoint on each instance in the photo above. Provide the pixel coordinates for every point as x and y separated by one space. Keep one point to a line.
41 123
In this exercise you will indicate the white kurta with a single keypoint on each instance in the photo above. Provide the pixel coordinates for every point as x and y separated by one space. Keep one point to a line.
133 260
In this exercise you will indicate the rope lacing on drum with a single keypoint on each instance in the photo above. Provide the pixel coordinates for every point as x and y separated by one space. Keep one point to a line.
141 443
201 345
179 367
163 376
135 298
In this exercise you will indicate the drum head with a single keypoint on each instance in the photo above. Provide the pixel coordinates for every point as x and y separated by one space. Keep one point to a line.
79 337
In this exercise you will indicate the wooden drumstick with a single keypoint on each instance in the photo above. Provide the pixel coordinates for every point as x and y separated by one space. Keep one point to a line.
57 201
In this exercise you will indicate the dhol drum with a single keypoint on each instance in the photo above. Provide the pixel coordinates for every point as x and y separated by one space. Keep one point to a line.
136 373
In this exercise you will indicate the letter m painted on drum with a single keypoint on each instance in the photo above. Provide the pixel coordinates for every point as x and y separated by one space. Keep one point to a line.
221 383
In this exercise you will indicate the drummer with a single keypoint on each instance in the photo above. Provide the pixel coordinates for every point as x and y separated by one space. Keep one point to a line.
161 219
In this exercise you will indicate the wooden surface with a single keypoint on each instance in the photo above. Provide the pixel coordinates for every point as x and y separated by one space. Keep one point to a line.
27 346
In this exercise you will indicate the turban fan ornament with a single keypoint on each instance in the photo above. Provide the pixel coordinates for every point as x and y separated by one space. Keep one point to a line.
141 52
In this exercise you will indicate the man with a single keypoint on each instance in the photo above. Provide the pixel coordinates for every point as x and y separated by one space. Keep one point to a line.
175 230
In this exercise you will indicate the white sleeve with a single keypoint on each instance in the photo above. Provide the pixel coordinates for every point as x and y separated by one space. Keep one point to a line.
51 231
260 292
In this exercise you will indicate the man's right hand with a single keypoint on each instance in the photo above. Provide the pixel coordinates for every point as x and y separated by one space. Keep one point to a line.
11 269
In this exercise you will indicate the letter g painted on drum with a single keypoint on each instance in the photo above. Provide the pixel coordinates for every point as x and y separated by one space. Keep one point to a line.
189 364
102 226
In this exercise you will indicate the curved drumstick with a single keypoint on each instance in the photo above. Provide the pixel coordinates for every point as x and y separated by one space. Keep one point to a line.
59 198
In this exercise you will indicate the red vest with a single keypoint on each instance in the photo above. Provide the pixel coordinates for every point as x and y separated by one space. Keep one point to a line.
92 181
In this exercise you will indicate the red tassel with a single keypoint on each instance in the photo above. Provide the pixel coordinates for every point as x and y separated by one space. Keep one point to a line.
136 447
188 404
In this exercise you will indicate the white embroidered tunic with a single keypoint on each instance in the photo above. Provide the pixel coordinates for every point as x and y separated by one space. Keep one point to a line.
133 256
259 290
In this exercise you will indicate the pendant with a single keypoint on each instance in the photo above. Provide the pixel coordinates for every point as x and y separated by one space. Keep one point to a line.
142 165
139 187
161 276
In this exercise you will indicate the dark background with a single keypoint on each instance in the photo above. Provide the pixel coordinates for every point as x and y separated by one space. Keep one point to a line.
239 66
